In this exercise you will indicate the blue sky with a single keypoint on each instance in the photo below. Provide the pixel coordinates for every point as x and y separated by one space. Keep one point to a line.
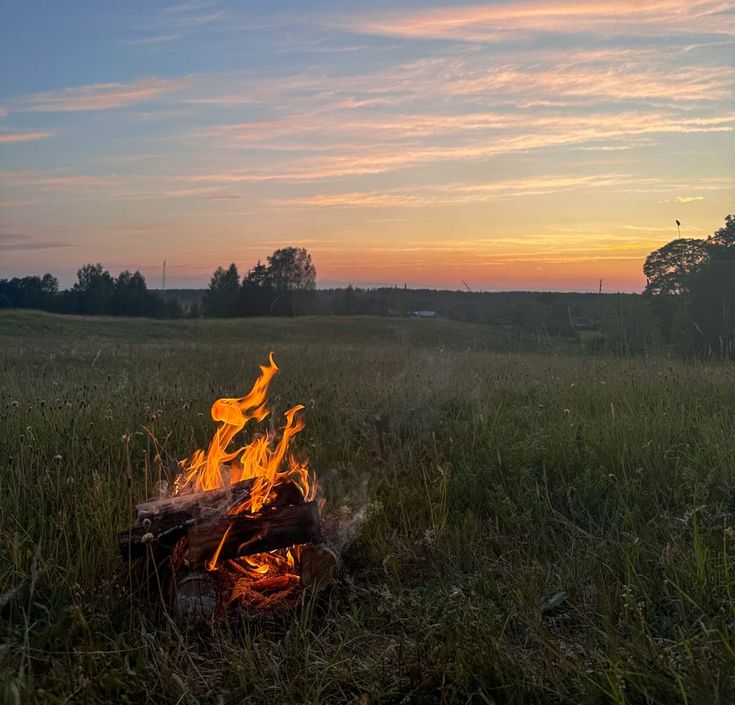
512 145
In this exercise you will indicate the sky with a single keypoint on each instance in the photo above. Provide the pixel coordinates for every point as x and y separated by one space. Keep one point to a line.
506 145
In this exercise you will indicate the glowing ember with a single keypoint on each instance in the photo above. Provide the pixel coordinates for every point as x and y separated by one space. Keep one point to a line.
268 461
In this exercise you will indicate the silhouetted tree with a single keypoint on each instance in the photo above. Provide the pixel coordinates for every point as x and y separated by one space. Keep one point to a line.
293 277
700 274
94 289
222 298
95 292
132 298
256 293
712 308
668 267
291 268
259 275
29 292
711 302
723 240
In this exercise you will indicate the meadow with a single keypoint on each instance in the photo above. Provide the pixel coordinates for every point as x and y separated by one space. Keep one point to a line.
543 526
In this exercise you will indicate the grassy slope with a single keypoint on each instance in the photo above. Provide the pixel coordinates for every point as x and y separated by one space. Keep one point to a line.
497 480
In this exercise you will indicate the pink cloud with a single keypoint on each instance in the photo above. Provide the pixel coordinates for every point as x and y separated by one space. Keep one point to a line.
98 96
18 137
520 133
477 23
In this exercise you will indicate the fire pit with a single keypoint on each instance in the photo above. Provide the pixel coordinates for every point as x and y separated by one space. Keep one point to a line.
241 529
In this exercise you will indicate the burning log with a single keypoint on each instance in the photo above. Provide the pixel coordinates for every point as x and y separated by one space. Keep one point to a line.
161 523
247 534
195 502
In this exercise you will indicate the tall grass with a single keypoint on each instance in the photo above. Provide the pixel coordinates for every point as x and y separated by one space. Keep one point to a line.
544 528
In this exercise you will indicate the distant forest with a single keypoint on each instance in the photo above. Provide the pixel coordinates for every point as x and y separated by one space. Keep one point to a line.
688 304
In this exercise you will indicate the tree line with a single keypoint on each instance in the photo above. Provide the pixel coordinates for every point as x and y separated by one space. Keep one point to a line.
691 285
688 302
96 292
284 286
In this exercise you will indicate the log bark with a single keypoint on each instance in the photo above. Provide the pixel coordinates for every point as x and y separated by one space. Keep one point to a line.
194 502
246 534
161 523
196 597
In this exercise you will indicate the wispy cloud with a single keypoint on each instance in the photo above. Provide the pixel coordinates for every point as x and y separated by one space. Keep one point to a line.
177 22
192 6
155 39
481 84
495 22
51 179
16 202
462 193
522 134
18 137
98 96
609 78
689 199
11 242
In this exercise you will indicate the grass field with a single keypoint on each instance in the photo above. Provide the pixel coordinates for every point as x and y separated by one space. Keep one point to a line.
497 480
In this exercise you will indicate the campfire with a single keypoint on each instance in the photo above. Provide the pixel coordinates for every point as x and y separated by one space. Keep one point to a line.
241 529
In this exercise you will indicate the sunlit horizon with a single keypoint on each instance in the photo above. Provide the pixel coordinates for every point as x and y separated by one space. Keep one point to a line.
498 146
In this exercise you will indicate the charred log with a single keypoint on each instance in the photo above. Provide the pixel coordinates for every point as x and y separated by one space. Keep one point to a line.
160 524
196 597
246 534
195 594
194 503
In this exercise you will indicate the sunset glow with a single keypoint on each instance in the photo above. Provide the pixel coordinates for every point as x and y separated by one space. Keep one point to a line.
509 145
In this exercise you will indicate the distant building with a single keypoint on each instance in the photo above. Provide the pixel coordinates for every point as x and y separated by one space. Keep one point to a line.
422 314
583 322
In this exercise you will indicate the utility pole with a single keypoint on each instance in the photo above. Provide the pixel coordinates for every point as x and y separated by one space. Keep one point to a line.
163 278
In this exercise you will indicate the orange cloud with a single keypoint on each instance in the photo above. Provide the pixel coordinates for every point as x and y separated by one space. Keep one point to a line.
98 96
482 23
19 137
52 179
461 194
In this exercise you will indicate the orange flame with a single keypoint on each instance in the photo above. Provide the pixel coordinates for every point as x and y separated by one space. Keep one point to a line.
266 459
